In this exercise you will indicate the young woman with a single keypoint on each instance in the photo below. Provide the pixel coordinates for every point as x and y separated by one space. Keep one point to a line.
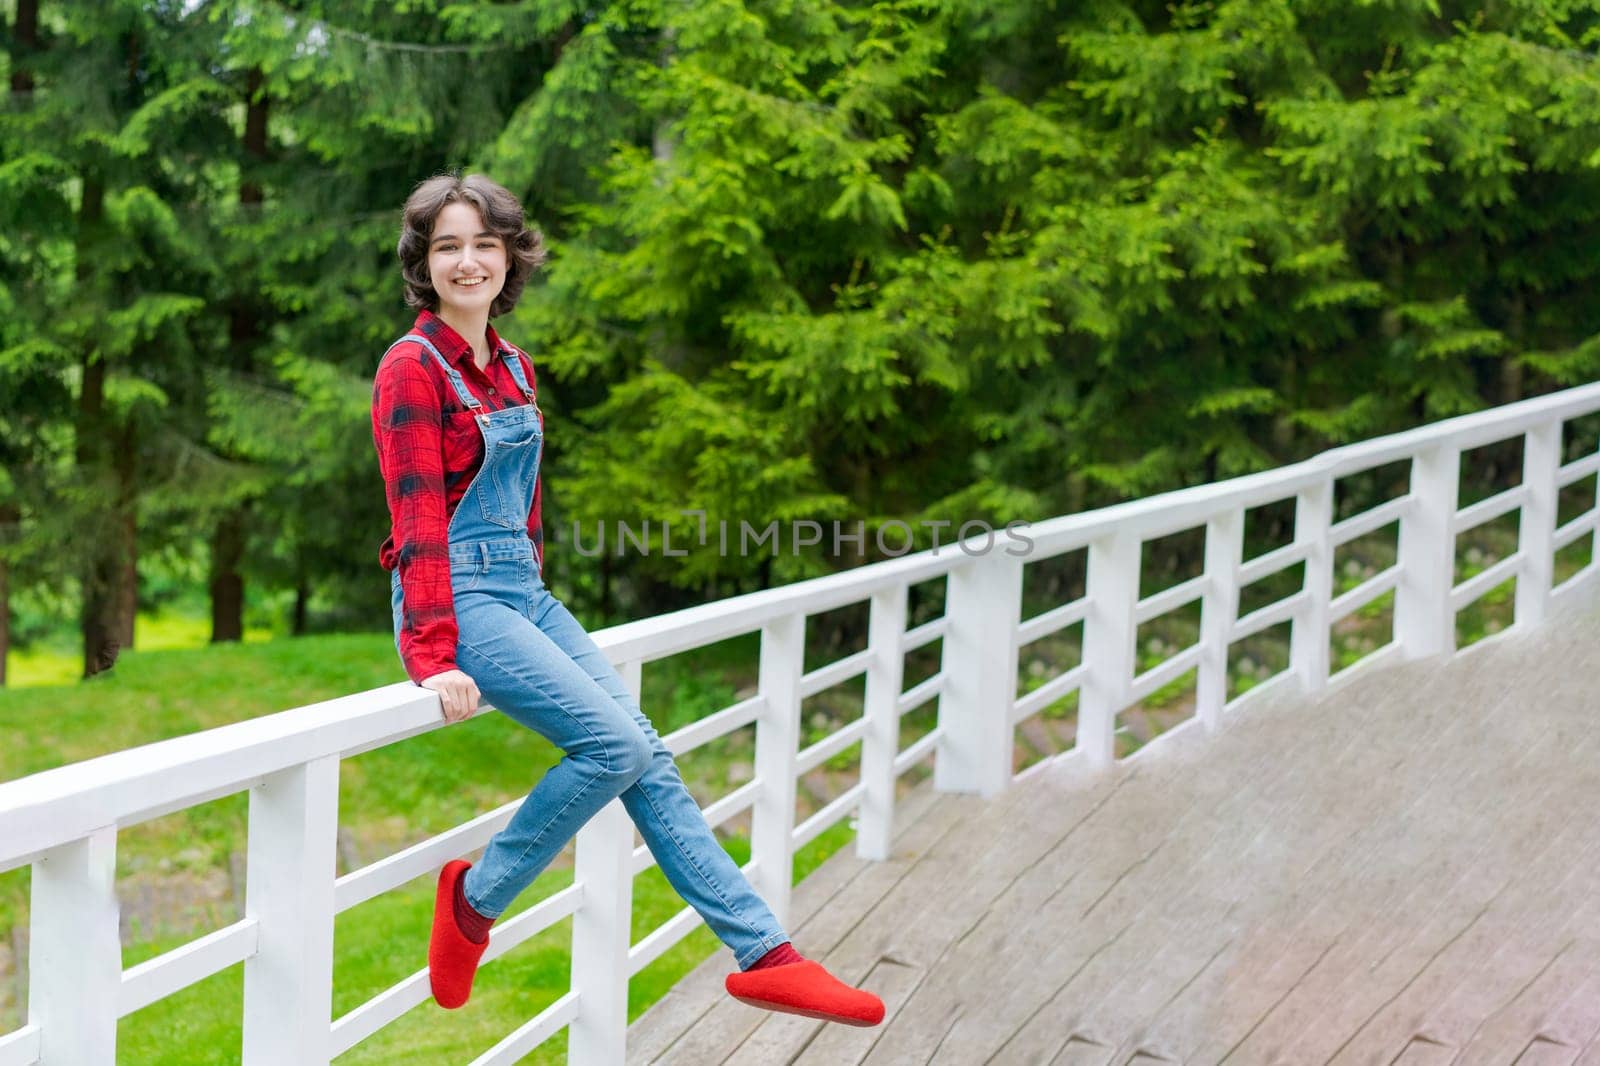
459 436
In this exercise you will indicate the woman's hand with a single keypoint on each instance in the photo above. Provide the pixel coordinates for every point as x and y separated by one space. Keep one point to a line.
458 693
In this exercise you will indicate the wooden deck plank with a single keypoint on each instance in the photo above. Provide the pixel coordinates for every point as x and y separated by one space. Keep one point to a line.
1077 1052
1583 1016
1244 813
1506 944
1526 882
941 940
1533 934
1237 810
1163 943
1422 882
1542 1052
1314 949
1010 953
1402 871
1313 1017
1283 928
1086 965
1423 1052
1268 1053
1575 1020
1504 1034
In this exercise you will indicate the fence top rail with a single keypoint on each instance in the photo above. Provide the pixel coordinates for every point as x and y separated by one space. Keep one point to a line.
126 787
53 807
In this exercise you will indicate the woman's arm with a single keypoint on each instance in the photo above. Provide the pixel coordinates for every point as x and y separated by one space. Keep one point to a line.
407 429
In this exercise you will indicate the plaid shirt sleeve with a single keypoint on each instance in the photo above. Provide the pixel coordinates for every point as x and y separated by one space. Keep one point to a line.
407 429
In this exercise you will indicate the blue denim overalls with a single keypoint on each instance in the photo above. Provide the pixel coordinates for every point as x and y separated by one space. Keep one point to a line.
534 662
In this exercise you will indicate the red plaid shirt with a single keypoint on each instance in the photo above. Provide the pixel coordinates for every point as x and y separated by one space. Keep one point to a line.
429 448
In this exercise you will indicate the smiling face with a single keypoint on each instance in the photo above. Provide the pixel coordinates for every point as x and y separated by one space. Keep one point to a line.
466 262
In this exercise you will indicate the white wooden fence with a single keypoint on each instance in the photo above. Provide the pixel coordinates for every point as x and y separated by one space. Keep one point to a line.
64 822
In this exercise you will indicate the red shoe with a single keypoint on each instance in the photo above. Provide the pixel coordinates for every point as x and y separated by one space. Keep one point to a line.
805 988
452 958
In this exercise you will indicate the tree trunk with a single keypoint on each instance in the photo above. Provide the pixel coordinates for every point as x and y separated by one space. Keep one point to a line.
128 584
255 131
111 584
26 34
244 333
125 531
1511 376
227 586
5 618
1510 380
302 608
91 452
1283 450
101 570
99 621
8 518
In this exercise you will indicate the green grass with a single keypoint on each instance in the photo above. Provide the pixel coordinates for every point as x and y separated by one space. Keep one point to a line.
388 798
59 662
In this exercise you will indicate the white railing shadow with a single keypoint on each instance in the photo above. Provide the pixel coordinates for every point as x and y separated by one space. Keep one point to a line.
64 822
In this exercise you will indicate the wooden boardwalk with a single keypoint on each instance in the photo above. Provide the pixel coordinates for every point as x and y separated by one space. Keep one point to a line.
1404 871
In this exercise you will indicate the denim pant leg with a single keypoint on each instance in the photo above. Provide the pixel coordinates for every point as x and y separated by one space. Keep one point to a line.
669 819
522 672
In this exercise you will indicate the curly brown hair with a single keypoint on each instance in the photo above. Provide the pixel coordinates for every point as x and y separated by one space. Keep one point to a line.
502 215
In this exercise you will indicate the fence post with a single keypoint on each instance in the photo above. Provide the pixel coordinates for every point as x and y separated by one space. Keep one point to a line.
1108 636
1424 623
1218 612
983 603
885 675
75 953
602 927
288 982
777 748
1594 538
1308 633
1536 527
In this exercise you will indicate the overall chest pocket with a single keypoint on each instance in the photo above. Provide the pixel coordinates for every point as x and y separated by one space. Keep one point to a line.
512 466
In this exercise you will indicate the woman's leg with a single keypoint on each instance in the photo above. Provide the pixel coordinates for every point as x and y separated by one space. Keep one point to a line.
676 832
669 819
526 676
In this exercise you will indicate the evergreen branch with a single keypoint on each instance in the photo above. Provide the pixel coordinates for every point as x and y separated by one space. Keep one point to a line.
293 18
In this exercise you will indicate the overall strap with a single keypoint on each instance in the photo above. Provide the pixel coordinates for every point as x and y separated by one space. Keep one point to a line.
514 364
462 392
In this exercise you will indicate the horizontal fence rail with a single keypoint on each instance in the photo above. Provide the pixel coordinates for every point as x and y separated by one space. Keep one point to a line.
64 822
